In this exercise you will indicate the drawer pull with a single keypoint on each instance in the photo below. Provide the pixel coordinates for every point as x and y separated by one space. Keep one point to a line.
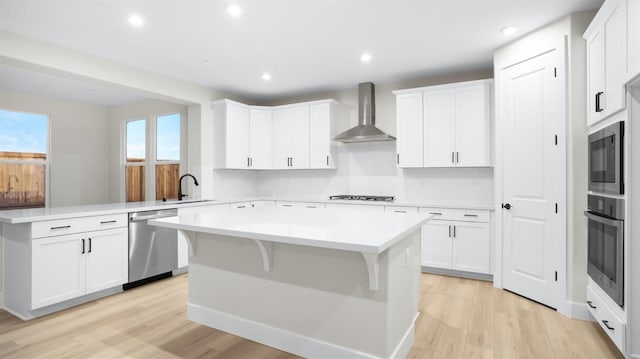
241 207
397 211
312 207
590 304
471 215
606 324
287 205
82 246
89 246
108 222
61 227
436 213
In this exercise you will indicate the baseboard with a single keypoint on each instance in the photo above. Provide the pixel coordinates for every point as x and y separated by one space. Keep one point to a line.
576 310
284 340
179 271
458 273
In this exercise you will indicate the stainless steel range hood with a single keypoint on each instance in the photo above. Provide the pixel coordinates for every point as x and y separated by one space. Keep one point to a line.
366 131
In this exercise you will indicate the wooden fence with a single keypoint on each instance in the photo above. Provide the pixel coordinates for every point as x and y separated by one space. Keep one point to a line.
22 185
166 182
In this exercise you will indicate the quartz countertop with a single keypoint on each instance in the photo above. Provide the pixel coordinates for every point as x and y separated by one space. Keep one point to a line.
354 231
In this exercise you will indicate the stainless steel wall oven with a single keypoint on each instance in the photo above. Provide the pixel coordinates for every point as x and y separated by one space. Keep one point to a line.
606 244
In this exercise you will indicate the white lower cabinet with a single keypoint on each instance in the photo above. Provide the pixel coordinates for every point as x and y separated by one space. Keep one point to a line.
69 266
603 313
451 243
291 204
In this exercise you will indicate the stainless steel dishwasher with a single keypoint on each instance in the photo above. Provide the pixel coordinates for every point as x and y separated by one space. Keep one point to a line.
153 251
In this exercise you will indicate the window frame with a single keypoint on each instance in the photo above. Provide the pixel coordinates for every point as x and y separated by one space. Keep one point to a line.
46 162
151 150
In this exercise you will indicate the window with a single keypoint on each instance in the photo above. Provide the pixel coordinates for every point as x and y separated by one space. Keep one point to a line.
23 159
135 160
162 136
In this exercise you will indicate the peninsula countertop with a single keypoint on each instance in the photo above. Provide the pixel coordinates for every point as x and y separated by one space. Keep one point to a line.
357 231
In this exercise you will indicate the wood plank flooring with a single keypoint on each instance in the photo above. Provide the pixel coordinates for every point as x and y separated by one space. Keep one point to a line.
460 318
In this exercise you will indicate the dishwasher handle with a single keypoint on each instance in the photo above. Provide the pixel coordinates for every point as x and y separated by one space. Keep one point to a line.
153 216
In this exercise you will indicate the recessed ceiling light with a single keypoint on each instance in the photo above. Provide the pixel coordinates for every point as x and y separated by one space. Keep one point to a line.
266 76
136 20
234 10
509 30
366 57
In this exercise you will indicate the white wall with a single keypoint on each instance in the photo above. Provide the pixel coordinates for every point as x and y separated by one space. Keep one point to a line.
79 149
370 168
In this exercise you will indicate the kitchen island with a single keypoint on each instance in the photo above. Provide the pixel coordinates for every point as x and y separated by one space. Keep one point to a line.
324 284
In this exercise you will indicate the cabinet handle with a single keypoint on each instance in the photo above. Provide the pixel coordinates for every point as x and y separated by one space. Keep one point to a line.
82 246
457 157
241 206
248 162
397 158
60 227
598 108
590 304
287 205
291 161
453 157
327 160
251 161
454 231
89 251
436 213
312 207
471 215
449 231
606 324
108 222
398 211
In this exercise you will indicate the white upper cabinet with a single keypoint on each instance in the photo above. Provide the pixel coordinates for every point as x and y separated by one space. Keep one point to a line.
439 128
606 61
297 136
409 130
445 126
260 145
291 137
632 69
322 129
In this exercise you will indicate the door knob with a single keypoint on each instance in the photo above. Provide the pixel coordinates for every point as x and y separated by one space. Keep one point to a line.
506 206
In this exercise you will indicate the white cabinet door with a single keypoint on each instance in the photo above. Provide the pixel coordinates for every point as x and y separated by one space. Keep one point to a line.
473 126
260 127
439 128
281 139
299 137
409 129
106 259
321 132
436 244
472 247
237 136
614 52
595 78
633 40
57 269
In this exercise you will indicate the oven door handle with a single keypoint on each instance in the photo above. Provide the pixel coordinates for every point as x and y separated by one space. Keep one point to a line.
604 220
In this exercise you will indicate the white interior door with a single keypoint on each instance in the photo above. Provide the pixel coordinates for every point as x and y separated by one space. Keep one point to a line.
532 178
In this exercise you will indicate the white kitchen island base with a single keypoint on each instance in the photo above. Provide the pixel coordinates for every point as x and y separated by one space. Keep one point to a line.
319 285
315 302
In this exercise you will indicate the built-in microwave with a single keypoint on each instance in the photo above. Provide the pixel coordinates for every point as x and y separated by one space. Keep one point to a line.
606 160
605 244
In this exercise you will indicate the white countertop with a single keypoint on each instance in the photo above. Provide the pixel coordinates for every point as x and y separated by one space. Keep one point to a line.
353 231
53 213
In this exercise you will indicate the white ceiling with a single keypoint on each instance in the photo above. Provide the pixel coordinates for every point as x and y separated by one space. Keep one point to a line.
306 45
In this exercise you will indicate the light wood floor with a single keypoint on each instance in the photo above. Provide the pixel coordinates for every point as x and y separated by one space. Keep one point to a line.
460 319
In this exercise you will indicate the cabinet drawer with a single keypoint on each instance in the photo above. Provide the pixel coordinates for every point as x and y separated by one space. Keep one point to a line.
76 225
400 209
608 320
468 215
310 205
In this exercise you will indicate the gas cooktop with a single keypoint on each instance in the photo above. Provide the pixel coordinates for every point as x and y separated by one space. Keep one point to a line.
356 197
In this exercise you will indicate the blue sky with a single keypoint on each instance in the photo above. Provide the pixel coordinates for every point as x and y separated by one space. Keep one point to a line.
23 132
167 140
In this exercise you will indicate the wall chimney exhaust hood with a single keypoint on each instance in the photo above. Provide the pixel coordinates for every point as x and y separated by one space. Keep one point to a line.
366 131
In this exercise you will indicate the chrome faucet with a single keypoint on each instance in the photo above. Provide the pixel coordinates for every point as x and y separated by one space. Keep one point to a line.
195 181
